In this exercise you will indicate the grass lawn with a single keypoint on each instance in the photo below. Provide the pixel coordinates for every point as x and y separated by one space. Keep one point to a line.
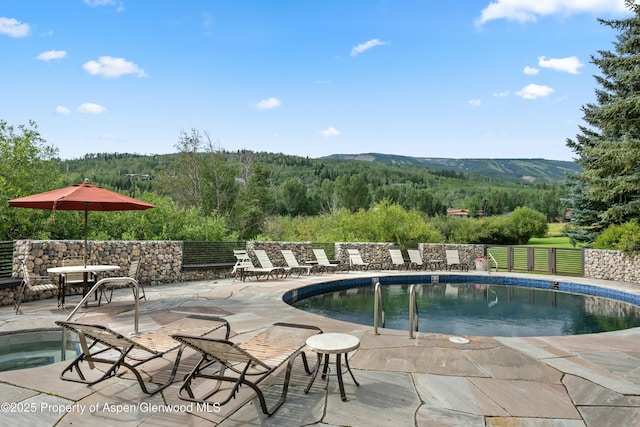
555 229
554 237
556 242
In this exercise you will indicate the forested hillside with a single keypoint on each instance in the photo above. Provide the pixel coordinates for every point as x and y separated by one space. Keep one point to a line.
511 170
305 186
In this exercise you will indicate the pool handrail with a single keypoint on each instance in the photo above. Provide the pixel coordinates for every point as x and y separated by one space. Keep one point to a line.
492 260
378 300
413 311
95 288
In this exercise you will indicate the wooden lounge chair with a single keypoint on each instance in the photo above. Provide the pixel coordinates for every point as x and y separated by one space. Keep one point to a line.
453 260
293 264
323 262
32 284
248 363
355 260
265 262
416 259
112 350
397 259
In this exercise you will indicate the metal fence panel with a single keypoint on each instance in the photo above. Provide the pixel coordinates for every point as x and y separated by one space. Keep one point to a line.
533 259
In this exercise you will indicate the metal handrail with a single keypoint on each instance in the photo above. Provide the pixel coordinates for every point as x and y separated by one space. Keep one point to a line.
378 300
492 260
94 288
413 310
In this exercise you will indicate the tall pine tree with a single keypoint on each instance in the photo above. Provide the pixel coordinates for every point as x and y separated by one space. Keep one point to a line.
607 190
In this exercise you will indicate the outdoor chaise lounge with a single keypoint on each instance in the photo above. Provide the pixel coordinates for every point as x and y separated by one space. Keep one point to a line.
245 268
323 262
355 260
453 260
416 259
265 262
226 366
111 350
293 264
397 259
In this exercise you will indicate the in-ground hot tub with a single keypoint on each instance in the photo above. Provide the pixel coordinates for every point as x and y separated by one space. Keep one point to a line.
31 348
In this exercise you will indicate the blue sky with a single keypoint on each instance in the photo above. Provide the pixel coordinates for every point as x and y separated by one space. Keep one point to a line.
424 78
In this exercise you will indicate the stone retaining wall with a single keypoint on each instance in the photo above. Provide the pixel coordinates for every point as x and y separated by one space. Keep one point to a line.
611 265
161 261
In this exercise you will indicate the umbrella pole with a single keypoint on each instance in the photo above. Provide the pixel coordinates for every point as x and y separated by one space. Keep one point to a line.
86 232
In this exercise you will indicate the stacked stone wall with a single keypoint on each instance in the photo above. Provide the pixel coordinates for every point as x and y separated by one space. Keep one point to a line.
434 253
611 265
161 261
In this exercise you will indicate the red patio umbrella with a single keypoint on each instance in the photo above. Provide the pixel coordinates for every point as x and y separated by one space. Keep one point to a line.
81 197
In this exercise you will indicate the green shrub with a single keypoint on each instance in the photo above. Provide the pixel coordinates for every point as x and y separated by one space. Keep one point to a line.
624 237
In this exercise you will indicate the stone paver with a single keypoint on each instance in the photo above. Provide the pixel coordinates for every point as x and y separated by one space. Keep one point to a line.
578 381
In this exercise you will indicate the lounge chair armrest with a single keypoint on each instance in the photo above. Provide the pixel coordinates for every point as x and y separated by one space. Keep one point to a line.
222 320
298 325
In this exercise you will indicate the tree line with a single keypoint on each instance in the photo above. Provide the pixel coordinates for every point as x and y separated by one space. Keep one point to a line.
206 193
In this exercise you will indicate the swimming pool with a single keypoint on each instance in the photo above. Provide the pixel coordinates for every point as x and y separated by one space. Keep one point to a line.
31 348
476 305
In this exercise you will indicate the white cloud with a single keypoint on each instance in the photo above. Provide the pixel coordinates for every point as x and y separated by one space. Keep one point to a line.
330 131
530 71
99 3
569 65
533 91
501 94
529 10
14 28
108 66
51 55
267 104
366 46
96 3
91 108
63 111
475 102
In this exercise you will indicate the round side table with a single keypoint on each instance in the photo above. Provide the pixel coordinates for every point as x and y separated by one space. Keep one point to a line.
328 344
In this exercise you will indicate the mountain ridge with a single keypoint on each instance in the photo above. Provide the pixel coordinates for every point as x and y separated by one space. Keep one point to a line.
526 170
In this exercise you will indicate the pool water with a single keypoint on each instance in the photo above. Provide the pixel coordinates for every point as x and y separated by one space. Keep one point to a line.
28 349
479 309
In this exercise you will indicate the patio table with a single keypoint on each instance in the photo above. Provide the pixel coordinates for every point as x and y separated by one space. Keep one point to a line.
62 271
333 343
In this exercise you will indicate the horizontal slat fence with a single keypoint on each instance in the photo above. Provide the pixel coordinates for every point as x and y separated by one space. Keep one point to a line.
209 254
6 259
531 259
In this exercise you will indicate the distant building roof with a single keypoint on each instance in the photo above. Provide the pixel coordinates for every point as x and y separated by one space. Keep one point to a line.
457 213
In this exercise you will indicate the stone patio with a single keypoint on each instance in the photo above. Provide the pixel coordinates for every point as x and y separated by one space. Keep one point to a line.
569 381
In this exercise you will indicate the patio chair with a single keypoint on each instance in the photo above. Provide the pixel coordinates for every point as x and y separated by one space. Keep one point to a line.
265 262
323 262
293 264
355 260
112 350
249 364
416 259
453 260
134 270
397 259
84 281
32 284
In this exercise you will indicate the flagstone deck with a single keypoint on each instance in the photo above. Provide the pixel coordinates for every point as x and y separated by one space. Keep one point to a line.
572 381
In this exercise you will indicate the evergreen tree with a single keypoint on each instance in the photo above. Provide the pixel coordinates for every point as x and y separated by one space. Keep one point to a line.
607 190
